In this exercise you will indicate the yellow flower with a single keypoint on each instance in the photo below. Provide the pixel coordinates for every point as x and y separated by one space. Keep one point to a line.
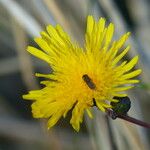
81 76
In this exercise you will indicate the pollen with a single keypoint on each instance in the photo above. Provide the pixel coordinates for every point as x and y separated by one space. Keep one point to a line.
82 76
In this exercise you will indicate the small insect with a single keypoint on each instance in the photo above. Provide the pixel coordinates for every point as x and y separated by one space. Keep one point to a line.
122 106
89 81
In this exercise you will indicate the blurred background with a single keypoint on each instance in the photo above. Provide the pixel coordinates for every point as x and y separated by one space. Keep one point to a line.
20 22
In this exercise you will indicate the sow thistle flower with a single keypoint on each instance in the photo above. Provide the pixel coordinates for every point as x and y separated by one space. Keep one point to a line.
81 77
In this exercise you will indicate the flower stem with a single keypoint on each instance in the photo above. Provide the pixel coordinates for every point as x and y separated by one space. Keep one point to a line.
113 115
133 120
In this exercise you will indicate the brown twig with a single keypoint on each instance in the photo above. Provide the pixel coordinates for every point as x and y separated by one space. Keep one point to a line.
113 115
135 121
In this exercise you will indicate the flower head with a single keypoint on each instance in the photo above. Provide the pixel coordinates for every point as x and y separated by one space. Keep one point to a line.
81 77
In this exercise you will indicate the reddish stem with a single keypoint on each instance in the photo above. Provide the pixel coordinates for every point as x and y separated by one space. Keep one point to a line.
135 121
113 115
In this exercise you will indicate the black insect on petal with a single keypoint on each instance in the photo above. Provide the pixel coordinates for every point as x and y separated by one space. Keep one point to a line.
122 106
89 81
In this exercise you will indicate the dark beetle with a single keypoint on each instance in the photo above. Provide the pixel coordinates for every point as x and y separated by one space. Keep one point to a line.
122 106
89 82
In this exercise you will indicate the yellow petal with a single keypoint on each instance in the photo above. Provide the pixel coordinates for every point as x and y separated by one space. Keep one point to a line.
77 116
119 57
131 74
100 106
119 89
90 24
34 51
54 119
109 34
119 44
89 113
130 64
128 82
122 40
43 44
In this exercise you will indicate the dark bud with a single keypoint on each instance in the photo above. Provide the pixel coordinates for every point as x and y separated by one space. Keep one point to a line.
122 106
